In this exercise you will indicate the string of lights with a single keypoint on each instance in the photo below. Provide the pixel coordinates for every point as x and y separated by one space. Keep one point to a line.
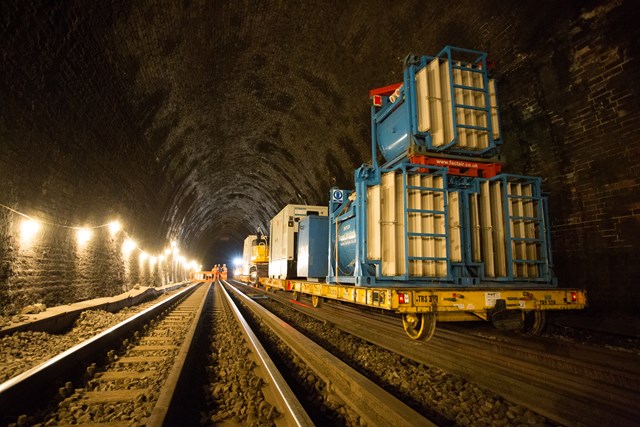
30 227
108 224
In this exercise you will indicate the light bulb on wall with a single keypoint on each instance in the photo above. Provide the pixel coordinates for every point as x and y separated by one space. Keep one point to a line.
143 256
114 227
153 260
128 246
83 235
28 229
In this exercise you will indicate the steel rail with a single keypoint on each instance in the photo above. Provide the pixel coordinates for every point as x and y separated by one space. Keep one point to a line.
375 405
286 396
40 382
167 392
572 389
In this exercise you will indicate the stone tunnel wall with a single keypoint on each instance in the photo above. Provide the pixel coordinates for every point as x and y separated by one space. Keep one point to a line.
79 147
571 114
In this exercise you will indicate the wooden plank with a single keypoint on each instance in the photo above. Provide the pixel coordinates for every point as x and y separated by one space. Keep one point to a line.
435 101
458 98
157 339
455 241
112 396
497 214
476 254
400 232
486 222
422 101
447 108
493 102
153 347
373 222
124 375
141 359
387 213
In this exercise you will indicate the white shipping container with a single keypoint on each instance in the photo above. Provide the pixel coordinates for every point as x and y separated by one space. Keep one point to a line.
283 229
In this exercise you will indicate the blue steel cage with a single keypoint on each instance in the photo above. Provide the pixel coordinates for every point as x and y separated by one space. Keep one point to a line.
394 126
537 220
491 231
526 258
352 206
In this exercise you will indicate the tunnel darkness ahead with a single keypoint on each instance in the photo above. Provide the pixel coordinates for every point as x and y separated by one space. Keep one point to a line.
199 120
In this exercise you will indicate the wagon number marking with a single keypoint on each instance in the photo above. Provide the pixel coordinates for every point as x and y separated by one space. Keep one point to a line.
427 298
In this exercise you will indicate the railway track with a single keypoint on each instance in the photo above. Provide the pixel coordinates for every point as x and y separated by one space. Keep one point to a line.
134 374
567 383
336 383
133 386
30 344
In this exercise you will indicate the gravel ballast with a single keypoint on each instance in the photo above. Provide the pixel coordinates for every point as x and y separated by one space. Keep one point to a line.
444 398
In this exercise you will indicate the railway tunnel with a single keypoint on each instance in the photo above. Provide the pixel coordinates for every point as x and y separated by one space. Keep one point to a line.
195 122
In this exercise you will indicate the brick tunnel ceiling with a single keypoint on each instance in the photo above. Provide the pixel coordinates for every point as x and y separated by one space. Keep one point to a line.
210 116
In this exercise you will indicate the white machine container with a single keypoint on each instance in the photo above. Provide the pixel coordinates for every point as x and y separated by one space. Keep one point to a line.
284 242
246 254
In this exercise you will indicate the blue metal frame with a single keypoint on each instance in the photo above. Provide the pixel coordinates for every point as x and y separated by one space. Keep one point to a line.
408 95
544 263
465 273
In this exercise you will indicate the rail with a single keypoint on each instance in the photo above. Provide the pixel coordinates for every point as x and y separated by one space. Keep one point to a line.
373 404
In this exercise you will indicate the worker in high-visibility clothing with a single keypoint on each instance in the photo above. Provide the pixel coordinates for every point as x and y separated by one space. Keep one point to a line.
215 272
223 272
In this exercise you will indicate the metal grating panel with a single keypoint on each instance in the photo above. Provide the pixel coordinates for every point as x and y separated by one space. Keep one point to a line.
416 243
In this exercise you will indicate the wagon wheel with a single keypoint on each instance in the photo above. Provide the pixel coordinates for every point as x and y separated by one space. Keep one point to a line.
534 322
316 301
296 296
419 326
